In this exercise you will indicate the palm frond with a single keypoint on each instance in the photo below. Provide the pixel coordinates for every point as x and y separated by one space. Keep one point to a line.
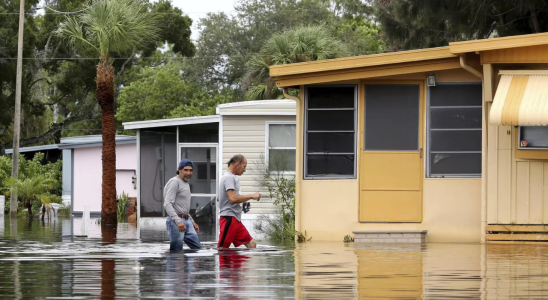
112 26
307 43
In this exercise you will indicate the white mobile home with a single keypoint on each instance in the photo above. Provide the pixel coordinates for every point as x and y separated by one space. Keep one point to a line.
259 130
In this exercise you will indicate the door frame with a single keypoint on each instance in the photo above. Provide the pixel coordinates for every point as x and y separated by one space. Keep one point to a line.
205 145
422 135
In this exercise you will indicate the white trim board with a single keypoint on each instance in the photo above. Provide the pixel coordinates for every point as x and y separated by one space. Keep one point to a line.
282 102
171 122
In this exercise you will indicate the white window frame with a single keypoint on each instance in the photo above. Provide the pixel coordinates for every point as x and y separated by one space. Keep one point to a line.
305 134
428 139
267 146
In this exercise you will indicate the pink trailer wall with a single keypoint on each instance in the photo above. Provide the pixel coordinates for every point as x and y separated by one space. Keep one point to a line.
87 172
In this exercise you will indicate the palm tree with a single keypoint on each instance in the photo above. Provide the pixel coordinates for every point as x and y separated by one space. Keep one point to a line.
106 28
33 189
308 43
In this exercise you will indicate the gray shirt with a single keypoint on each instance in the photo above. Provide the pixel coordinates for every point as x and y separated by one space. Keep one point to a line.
177 198
229 181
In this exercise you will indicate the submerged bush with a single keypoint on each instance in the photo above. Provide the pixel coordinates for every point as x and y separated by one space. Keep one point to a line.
29 169
280 186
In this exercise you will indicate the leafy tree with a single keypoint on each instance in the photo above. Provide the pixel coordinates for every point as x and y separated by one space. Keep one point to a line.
35 167
59 79
412 24
161 92
298 45
227 43
109 27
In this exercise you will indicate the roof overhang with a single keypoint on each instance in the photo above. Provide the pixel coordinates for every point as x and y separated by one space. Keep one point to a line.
170 122
258 108
521 99
389 69
124 141
516 41
35 148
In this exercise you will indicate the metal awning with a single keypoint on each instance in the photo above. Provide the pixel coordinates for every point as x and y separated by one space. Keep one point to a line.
521 99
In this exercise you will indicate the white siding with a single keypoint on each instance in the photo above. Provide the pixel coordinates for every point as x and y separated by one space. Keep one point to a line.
246 135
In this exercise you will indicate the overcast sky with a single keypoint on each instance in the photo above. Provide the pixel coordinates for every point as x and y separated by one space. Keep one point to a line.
197 9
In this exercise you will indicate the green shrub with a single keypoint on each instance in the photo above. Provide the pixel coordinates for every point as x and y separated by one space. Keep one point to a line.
280 186
121 209
28 169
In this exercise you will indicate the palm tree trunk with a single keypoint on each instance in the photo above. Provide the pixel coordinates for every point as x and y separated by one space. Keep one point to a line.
105 97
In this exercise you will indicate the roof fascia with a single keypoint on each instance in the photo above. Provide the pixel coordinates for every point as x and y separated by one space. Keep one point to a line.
361 61
499 43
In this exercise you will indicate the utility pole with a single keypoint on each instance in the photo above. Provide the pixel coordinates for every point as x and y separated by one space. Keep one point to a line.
17 116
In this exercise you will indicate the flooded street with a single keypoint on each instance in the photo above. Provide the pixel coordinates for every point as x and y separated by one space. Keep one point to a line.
42 261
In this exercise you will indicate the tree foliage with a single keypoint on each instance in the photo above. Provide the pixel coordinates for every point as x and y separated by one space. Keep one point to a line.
302 44
227 43
36 167
58 92
413 24
161 92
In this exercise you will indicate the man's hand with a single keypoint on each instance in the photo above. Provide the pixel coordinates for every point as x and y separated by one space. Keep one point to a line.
196 226
256 196
181 226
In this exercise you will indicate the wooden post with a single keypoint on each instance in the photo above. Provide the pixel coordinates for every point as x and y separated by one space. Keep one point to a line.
17 115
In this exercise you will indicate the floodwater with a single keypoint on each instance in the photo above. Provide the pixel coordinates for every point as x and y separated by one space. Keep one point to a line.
41 261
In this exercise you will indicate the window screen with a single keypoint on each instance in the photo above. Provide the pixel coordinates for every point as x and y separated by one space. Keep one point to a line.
392 117
281 147
330 132
454 130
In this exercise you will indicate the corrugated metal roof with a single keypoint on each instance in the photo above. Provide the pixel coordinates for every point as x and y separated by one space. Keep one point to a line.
521 99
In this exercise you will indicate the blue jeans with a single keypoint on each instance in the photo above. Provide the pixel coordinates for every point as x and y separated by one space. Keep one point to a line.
176 237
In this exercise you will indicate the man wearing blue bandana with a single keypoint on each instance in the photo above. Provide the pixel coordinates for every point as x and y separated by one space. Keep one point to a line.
179 224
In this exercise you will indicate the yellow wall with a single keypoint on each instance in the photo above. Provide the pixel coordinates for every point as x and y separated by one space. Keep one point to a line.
328 209
451 210
517 189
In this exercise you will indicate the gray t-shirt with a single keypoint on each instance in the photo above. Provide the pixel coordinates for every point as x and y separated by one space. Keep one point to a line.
177 198
229 181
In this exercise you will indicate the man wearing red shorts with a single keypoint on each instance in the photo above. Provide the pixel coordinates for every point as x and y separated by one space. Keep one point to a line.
232 231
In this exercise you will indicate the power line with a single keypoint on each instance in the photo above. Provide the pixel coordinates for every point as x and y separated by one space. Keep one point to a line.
70 12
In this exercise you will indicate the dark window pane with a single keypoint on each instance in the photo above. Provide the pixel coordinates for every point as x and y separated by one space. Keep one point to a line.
331 142
442 118
391 117
198 182
330 120
201 171
330 165
468 140
281 160
455 163
331 97
455 95
536 136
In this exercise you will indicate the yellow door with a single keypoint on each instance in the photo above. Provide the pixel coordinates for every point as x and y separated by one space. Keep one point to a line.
391 157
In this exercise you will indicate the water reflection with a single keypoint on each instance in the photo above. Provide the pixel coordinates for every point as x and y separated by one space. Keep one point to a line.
40 261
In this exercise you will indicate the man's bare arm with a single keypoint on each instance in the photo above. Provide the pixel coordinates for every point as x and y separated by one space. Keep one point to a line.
235 198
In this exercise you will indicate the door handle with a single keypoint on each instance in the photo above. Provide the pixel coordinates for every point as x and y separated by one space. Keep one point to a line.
420 151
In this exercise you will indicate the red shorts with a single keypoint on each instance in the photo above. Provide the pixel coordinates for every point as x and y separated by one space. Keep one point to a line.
232 231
